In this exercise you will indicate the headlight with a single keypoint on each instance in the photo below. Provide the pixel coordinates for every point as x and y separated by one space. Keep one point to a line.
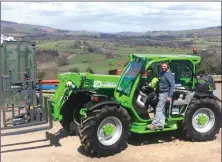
70 84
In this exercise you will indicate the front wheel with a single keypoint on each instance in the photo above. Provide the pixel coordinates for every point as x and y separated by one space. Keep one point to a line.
105 132
69 126
202 120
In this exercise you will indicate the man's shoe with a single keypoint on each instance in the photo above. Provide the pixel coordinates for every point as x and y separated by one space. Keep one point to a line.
154 127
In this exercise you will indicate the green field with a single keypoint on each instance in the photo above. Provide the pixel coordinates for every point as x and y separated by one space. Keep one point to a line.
98 62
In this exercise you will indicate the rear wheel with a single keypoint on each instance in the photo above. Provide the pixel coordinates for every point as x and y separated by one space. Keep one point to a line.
202 120
105 132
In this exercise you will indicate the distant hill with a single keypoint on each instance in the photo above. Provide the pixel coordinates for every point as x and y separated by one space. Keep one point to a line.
24 30
8 27
17 30
204 32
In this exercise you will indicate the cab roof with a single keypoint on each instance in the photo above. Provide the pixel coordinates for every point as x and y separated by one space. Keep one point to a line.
146 57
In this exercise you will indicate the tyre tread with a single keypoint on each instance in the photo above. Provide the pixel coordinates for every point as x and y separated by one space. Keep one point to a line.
189 131
88 125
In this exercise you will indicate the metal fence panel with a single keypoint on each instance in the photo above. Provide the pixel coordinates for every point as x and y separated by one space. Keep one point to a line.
19 58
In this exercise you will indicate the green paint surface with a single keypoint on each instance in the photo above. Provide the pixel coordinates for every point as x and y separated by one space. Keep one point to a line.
102 84
202 119
108 129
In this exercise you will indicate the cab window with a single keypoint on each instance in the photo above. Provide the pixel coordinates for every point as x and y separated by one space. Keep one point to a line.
183 72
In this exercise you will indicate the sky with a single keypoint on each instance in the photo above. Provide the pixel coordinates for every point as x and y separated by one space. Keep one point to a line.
114 17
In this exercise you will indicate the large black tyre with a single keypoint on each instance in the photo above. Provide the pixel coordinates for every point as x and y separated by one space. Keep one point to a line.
70 112
68 123
191 131
88 132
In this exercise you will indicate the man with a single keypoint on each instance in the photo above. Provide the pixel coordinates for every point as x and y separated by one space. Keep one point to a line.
152 86
209 79
152 81
166 89
195 50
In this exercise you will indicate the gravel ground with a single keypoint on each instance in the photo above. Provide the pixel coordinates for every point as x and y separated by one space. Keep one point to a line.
164 147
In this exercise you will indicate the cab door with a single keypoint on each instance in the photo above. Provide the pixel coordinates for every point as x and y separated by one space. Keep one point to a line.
183 72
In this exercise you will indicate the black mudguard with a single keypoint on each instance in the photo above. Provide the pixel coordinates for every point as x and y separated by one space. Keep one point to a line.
204 95
103 103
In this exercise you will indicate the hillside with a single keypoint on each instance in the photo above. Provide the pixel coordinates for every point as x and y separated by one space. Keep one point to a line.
35 31
76 51
17 30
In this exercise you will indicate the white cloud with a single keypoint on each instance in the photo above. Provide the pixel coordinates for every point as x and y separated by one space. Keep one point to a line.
115 17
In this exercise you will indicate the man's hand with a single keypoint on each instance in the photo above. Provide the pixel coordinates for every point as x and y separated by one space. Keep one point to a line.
144 88
169 99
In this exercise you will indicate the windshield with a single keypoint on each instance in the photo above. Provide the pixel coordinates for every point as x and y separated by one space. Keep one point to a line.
129 77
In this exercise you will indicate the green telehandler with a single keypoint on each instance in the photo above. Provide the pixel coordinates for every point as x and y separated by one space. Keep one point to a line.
104 109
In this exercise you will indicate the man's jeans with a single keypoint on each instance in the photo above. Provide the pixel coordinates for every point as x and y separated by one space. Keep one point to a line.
214 93
159 119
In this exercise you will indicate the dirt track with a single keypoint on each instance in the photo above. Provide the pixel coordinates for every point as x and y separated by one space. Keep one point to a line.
152 148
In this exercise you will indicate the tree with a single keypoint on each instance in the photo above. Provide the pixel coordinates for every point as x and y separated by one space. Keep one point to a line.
210 61
62 61
89 70
41 75
75 70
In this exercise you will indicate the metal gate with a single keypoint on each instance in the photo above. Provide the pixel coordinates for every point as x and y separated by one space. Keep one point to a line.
23 107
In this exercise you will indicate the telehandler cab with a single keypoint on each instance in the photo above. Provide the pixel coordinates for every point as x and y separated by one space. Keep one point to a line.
105 123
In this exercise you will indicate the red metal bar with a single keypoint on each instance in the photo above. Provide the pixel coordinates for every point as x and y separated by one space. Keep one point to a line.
53 82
